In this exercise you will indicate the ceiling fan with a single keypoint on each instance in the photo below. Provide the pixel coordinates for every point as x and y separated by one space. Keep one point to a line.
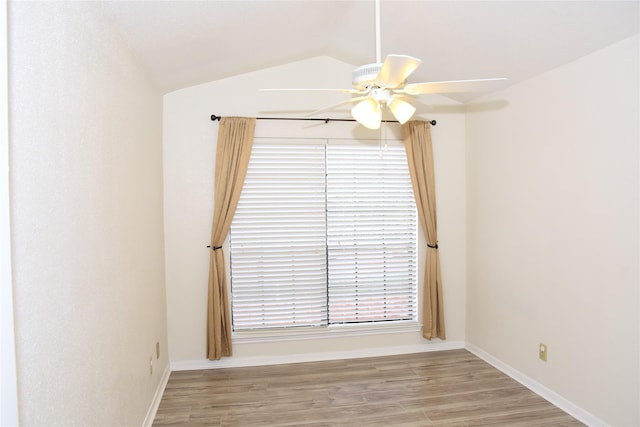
383 85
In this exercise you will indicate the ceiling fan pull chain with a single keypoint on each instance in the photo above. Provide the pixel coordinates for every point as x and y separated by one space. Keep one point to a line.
386 124
380 150
383 136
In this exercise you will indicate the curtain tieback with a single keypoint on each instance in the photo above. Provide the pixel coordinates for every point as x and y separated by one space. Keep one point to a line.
433 246
215 248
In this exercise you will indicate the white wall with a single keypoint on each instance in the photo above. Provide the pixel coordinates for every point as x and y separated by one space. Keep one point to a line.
553 189
86 195
8 376
189 158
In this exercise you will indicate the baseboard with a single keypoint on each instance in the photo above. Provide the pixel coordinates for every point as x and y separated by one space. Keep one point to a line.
157 397
237 362
544 392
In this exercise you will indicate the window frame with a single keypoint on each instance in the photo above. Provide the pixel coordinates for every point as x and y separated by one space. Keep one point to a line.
336 130
344 329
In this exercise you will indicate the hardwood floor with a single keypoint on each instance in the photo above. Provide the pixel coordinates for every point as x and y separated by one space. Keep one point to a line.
448 388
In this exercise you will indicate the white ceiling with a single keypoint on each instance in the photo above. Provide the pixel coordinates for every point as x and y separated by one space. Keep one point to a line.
183 43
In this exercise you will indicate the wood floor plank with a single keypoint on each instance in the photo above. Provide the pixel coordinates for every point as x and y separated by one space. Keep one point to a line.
446 389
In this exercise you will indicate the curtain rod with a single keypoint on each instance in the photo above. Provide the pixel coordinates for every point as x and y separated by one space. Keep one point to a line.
327 120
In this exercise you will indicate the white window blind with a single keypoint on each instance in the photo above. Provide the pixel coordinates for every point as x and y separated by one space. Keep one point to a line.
371 235
278 243
324 233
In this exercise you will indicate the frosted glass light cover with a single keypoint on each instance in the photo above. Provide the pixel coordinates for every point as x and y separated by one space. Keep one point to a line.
368 113
401 110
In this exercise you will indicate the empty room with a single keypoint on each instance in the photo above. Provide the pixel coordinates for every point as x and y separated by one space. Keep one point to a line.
321 213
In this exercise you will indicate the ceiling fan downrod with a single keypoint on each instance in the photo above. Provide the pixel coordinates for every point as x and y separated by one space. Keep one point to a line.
378 49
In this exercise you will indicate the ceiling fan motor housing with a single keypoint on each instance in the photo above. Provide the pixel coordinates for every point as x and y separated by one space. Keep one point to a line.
364 77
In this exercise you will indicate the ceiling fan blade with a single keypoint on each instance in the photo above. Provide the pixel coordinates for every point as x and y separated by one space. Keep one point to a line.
395 70
352 91
339 104
455 86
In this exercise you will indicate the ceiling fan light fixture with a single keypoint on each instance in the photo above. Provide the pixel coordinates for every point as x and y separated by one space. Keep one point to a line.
402 110
384 84
368 113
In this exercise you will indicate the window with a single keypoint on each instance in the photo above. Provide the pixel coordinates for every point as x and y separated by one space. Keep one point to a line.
324 234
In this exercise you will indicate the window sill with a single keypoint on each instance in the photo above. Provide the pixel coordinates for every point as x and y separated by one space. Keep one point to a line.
336 331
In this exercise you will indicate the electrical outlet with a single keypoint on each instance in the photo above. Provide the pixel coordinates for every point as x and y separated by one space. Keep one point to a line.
157 349
542 352
150 365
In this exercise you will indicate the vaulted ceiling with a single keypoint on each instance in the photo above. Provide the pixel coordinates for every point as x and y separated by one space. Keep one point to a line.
183 43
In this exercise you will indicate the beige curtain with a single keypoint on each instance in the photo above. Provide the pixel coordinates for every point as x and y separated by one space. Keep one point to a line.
235 139
417 141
